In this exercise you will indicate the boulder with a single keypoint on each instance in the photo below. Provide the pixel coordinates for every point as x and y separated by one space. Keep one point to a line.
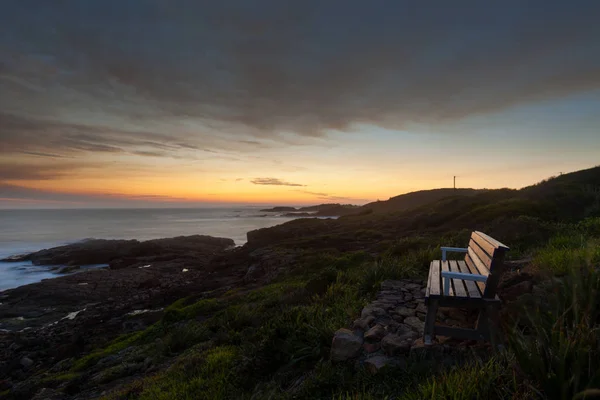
375 364
26 362
405 311
363 323
514 292
415 323
394 344
345 345
375 333
372 311
422 308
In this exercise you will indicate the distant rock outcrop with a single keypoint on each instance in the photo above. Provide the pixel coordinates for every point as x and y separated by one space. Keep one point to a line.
279 209
121 253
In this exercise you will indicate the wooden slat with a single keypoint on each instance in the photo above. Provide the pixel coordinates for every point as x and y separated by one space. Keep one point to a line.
472 287
493 241
473 269
459 284
485 259
445 268
480 267
428 281
489 248
434 281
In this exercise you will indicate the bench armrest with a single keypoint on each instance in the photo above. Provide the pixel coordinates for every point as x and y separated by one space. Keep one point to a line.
447 275
452 249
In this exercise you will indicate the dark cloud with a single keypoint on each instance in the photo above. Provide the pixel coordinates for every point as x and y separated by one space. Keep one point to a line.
261 69
273 182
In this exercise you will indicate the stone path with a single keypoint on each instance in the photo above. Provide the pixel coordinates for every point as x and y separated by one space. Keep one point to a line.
391 328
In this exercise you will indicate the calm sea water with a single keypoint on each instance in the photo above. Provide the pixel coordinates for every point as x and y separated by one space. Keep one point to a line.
24 231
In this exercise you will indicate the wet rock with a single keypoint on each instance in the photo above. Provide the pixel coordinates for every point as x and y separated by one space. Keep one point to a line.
375 364
346 345
69 269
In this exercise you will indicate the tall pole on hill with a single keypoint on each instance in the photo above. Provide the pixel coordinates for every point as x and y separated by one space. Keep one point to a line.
455 183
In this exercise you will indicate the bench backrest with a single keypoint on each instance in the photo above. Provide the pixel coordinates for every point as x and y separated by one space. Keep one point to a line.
485 256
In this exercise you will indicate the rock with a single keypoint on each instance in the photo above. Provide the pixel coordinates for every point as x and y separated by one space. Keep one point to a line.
345 345
375 333
392 285
422 308
371 347
415 323
254 272
279 209
513 292
372 311
405 311
26 362
48 394
404 329
5 385
375 364
67 270
99 251
394 344
150 283
363 323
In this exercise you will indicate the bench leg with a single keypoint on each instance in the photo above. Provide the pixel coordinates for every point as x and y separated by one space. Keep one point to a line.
483 324
429 331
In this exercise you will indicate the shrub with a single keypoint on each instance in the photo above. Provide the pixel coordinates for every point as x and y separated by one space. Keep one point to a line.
560 350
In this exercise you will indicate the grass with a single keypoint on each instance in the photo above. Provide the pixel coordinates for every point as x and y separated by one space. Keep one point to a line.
274 342
560 347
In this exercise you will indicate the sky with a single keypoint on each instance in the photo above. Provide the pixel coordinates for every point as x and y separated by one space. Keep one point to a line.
185 103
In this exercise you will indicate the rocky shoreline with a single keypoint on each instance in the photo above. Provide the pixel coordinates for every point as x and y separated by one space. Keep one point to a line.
43 323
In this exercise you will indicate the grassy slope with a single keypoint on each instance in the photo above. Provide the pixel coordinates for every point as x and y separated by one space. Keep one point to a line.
273 342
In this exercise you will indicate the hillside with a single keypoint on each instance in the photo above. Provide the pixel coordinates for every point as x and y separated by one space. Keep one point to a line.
414 199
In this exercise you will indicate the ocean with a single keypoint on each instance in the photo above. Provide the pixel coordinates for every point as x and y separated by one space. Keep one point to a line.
25 231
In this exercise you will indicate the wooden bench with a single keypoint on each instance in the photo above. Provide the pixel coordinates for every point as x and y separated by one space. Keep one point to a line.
468 283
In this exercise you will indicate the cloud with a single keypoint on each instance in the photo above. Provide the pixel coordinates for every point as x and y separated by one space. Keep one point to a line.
234 76
318 194
330 197
273 181
16 195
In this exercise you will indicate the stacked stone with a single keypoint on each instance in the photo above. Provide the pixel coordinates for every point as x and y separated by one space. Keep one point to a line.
391 327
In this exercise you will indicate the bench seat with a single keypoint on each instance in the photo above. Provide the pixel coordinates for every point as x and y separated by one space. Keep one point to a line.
467 283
